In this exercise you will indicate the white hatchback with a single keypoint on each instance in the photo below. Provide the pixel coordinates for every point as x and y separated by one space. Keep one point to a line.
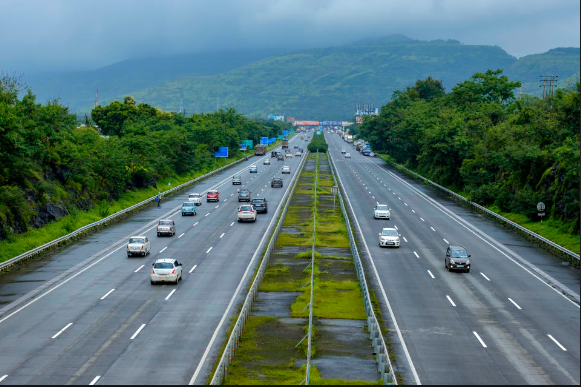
166 270
246 213
347 155
266 162
382 212
286 169
389 237
138 245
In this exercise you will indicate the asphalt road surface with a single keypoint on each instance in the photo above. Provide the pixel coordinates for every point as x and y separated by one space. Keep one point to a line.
514 319
89 315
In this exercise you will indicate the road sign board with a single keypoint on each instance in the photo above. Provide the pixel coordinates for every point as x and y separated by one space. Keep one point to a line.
541 206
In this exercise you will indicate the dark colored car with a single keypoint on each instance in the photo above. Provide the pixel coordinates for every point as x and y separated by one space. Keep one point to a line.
276 182
280 157
244 195
273 154
457 258
260 205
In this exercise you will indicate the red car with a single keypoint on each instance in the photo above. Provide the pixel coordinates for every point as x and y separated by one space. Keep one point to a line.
213 196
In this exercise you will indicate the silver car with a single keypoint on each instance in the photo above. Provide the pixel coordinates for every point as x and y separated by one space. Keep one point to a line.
166 270
389 237
138 245
382 212
196 198
166 227
457 259
246 213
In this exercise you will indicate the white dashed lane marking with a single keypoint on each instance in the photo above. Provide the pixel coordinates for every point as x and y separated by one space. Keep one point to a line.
139 268
162 250
416 254
170 294
446 241
137 332
515 304
431 275
61 331
479 339
482 274
193 268
433 229
451 302
221 236
109 292
210 249
556 342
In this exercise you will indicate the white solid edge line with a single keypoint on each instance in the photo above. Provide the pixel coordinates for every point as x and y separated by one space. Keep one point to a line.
137 332
515 304
95 380
476 231
170 294
61 331
109 292
227 311
416 254
451 302
556 342
193 268
162 250
431 275
484 275
479 339
396 325
210 249
139 268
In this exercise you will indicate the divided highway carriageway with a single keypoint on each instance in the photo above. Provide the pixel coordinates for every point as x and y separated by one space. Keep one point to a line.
89 315
514 319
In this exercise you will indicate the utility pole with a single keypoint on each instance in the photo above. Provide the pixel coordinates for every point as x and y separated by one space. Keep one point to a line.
548 81
97 98
182 106
218 105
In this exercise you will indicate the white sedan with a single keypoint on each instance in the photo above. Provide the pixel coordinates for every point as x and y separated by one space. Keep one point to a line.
389 237
382 212
138 245
266 162
246 213
166 270
347 155
286 169
196 198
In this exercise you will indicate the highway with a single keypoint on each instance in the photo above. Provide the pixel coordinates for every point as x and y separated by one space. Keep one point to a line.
502 323
89 315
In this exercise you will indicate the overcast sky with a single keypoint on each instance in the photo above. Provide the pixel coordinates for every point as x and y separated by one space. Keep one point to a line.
79 34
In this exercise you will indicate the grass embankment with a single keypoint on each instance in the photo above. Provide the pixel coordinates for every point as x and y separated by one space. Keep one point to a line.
552 229
21 243
268 352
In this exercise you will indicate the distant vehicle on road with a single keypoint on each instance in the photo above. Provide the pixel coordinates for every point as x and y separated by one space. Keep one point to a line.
166 227
343 151
243 195
246 213
266 162
347 155
457 258
280 157
213 196
276 182
166 270
253 169
236 180
138 245
286 169
188 208
389 237
298 153
273 154
195 198
284 144
366 152
382 212
259 149
260 205
288 154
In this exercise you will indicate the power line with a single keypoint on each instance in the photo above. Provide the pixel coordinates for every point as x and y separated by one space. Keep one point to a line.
548 81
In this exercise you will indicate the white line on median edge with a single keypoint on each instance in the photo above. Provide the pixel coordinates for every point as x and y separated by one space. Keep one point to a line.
193 268
61 331
139 268
431 275
479 339
556 342
95 380
137 332
170 294
515 304
210 249
109 292
451 302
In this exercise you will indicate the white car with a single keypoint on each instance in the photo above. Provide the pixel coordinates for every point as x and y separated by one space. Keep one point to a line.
246 213
288 154
196 198
266 162
166 227
342 150
389 237
382 211
166 270
347 155
286 169
138 245
298 154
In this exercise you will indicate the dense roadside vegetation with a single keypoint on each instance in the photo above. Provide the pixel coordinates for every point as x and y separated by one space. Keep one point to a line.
479 140
51 167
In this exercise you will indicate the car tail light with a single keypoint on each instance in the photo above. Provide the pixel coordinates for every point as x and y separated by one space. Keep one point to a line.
152 271
127 247
239 210
141 248
173 271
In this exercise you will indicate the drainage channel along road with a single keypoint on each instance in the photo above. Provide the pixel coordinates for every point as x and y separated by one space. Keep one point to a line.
273 348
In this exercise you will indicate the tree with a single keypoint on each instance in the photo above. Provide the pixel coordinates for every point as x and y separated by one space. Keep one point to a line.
490 86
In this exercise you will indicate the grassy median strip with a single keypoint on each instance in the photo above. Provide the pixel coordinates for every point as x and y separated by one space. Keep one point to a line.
271 350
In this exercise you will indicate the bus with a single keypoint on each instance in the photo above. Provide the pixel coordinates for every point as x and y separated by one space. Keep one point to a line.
259 149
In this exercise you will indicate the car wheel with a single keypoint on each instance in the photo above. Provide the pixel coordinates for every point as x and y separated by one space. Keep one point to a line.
467 270
128 255
177 279
152 282
182 214
157 234
450 268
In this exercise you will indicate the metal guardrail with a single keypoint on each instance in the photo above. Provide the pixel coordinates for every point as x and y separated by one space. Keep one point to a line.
233 341
384 366
55 243
572 256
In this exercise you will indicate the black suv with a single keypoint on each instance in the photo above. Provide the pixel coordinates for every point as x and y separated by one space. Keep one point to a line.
260 205
457 259
276 182
244 195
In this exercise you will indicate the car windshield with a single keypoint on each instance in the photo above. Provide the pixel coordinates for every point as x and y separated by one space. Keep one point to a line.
245 208
136 240
212 192
165 222
389 233
277 179
257 200
244 192
187 204
236 177
459 254
382 207
163 265
195 195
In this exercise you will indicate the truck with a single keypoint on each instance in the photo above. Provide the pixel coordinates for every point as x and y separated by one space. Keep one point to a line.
302 136
366 152
260 149
285 143
349 137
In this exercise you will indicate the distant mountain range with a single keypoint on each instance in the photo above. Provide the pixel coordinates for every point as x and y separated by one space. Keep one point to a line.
323 83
